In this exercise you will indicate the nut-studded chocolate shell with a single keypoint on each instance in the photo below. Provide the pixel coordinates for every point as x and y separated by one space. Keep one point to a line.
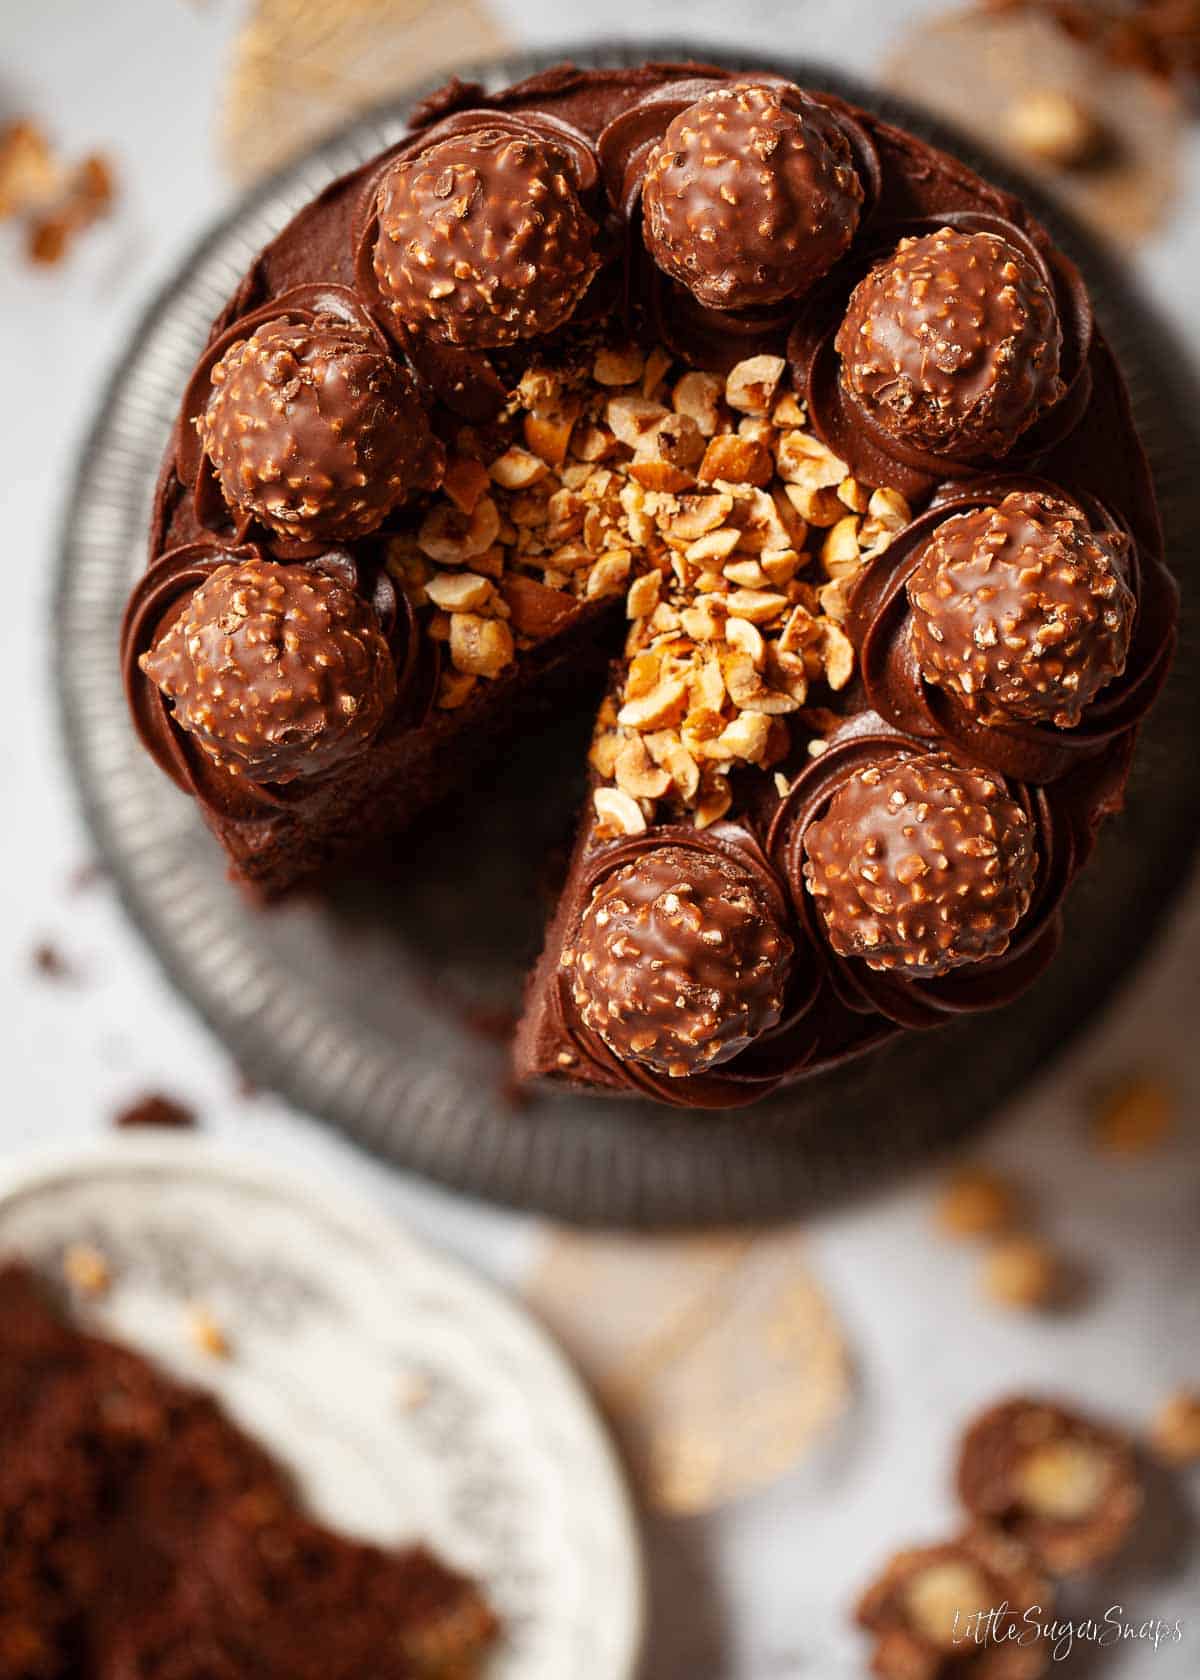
879 622
852 428
897 994
779 1050
952 344
750 196
1068 1487
920 865
1021 610
929 1610
313 428
276 671
680 961
165 591
704 335
482 239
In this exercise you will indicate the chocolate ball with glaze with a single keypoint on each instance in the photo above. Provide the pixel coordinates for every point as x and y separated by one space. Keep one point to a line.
921 865
952 345
1021 610
680 960
483 240
315 430
275 671
750 197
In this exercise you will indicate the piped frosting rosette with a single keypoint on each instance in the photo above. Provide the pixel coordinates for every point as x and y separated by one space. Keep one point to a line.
880 622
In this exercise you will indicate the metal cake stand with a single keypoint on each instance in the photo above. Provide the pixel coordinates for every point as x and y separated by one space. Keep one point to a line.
380 1009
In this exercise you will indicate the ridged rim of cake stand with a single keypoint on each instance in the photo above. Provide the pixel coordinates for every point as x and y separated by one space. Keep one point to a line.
603 1163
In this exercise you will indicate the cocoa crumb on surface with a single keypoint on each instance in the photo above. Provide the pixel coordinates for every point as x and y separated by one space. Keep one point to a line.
155 1109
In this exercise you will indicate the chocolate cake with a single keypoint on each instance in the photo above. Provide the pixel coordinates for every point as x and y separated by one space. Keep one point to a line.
143 1536
816 414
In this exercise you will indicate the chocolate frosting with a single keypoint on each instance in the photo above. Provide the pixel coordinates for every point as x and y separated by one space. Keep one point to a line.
879 619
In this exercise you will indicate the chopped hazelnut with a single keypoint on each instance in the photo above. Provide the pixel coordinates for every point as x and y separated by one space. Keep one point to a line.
1022 1272
86 1269
976 1203
1135 1116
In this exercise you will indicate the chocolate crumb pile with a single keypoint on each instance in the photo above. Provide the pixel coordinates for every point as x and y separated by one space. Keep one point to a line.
144 1537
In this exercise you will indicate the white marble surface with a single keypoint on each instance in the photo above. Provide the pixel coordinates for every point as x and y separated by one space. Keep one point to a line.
758 1591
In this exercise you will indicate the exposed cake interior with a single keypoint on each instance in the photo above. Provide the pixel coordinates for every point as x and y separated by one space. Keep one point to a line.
143 1534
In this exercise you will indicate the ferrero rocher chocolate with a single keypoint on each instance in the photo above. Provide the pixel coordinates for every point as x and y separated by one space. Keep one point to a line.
1065 1485
921 865
315 430
275 671
959 1608
483 240
952 345
679 961
750 196
1021 610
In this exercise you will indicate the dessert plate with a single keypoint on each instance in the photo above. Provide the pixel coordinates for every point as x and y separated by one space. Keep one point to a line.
410 1400
383 1009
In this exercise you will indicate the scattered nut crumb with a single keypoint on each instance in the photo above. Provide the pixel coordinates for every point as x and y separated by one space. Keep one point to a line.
1022 1272
976 1202
207 1334
1175 1432
50 963
86 1269
1135 1116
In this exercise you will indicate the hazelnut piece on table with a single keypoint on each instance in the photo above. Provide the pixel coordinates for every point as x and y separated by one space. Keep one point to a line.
1068 1487
1175 1433
750 196
975 1202
679 961
1023 1273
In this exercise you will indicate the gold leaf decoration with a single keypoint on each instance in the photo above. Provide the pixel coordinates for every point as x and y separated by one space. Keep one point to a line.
717 1358
302 67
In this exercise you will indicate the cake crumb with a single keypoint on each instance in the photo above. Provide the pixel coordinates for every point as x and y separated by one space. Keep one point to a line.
155 1109
976 1202
1175 1432
50 963
86 1269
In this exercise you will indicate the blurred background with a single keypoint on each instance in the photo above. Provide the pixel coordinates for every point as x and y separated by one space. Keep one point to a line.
786 1398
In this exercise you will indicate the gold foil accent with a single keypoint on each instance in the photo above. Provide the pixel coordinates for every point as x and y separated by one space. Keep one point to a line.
302 67
717 1358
